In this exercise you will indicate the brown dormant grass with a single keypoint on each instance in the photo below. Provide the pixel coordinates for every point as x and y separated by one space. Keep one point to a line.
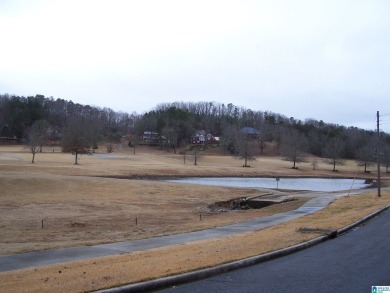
135 267
79 208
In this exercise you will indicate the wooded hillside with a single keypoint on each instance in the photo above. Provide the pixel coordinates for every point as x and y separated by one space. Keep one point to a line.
177 123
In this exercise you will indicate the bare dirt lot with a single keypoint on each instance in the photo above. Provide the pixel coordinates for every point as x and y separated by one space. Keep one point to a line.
54 203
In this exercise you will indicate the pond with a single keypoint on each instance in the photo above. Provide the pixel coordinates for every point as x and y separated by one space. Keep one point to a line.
314 184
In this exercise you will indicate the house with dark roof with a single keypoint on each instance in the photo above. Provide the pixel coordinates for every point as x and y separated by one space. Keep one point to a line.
250 132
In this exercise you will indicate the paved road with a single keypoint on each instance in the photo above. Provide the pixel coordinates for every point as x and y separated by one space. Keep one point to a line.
41 258
350 263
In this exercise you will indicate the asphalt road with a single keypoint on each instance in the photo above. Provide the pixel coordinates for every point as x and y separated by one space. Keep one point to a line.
350 263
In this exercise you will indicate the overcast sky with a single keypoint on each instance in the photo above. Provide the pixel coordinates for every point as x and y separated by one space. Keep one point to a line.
322 59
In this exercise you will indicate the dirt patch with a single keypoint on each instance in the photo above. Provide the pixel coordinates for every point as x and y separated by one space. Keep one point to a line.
239 204
78 224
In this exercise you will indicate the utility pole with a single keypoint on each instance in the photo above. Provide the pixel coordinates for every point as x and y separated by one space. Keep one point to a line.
378 153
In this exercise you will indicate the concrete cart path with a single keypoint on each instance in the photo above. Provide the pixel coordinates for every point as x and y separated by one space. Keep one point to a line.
48 257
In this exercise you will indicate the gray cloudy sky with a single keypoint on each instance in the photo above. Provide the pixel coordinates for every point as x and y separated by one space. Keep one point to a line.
322 59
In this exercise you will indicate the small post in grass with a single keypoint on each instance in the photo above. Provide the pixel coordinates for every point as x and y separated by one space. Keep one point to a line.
200 217
136 221
42 224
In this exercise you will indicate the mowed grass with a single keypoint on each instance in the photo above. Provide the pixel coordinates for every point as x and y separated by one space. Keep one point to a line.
84 211
79 208
106 272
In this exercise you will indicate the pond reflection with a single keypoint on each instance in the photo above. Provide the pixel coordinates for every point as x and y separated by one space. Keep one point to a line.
314 184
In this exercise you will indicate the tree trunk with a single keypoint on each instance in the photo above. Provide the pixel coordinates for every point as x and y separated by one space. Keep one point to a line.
195 154
75 160
33 157
334 165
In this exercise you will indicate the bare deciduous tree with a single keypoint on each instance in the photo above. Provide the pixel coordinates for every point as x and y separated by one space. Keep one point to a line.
196 149
36 136
246 148
334 150
366 157
386 157
76 139
314 163
293 145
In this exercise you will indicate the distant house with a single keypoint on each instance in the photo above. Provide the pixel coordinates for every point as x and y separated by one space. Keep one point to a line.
6 134
250 132
154 138
150 137
201 137
5 131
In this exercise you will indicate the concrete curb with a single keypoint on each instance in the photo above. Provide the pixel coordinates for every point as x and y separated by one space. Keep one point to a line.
209 272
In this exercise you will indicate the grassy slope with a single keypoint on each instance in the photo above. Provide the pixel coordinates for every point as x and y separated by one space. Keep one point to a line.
86 209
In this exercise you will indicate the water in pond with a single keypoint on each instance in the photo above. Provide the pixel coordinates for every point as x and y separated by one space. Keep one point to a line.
314 184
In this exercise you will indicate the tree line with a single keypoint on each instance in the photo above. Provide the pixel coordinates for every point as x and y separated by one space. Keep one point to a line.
38 119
